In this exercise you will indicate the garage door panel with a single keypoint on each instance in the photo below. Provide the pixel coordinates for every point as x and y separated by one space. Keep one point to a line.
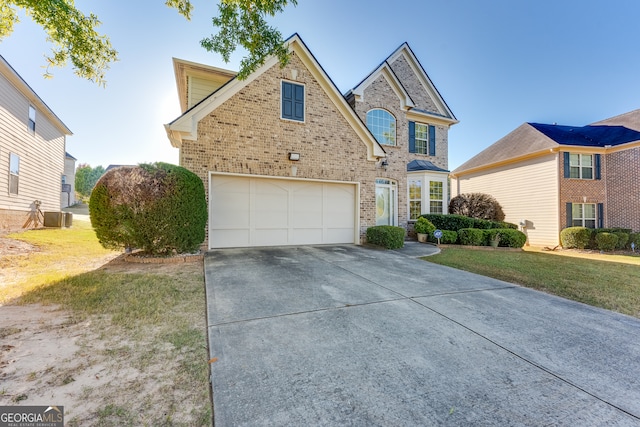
251 211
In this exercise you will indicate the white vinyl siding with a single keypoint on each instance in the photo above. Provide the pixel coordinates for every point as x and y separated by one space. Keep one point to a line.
199 89
526 191
41 154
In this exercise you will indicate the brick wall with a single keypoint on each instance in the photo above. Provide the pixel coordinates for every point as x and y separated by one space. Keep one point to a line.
579 191
246 135
622 208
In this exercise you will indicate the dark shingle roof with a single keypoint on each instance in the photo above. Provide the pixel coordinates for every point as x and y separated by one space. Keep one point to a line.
588 136
423 165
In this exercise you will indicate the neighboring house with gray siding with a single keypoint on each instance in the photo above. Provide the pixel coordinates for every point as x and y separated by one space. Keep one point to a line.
550 177
67 195
287 159
32 152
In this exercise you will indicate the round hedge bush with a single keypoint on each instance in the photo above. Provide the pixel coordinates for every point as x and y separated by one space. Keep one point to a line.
575 237
471 236
389 236
159 208
606 241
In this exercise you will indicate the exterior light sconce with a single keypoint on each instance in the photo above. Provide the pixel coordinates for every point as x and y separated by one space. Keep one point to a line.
383 164
294 157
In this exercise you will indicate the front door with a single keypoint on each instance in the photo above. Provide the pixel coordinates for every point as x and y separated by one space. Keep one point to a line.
386 202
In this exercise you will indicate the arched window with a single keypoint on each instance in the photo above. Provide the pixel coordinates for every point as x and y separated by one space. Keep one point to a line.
382 125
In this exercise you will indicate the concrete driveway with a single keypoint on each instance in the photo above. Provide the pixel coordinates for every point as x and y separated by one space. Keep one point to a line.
348 335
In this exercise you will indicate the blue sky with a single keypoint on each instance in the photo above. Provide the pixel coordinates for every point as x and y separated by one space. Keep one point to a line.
497 64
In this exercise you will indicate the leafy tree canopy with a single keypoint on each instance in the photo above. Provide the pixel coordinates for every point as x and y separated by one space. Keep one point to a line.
76 40
86 178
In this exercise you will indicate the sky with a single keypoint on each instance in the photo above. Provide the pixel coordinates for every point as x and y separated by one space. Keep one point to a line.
496 63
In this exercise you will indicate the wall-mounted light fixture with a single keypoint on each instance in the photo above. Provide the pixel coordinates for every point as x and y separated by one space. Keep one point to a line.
294 157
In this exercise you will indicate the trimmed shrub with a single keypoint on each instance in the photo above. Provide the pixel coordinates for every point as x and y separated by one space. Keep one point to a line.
509 238
424 226
482 224
449 222
503 224
471 237
477 205
387 236
634 238
575 237
159 208
623 239
449 237
606 241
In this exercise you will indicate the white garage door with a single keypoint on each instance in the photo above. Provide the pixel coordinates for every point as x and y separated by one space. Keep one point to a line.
252 211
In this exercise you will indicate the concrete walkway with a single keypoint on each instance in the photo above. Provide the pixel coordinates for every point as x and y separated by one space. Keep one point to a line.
347 335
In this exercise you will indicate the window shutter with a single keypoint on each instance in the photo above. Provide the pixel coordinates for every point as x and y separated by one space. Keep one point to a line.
412 137
569 215
432 140
298 102
596 164
292 101
567 169
600 215
287 100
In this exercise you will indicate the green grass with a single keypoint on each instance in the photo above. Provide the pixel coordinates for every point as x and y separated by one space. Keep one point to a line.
611 285
60 253
150 319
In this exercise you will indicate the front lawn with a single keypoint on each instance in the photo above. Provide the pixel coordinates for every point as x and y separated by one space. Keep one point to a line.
594 280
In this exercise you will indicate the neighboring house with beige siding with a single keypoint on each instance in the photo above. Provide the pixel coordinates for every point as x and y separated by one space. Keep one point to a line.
68 193
287 159
549 177
32 152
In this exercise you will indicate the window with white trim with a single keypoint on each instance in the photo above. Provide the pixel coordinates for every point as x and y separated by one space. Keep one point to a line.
422 138
32 119
415 199
436 197
581 166
382 125
14 173
292 101
583 215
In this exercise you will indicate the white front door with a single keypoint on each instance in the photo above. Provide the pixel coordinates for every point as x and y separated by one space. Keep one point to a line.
386 202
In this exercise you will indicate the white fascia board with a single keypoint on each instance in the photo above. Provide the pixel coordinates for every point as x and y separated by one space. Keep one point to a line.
431 118
405 100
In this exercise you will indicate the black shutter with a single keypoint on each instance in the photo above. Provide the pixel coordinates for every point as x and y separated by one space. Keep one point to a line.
600 215
597 165
569 215
432 140
567 168
412 137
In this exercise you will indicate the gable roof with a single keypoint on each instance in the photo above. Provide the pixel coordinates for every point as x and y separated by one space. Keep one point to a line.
423 165
630 120
186 126
18 82
535 139
444 113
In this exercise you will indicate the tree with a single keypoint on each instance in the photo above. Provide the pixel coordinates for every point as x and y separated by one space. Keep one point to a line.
86 178
242 23
75 39
477 205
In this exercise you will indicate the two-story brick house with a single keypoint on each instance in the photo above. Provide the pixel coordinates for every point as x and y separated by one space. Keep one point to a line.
287 159
32 152
549 177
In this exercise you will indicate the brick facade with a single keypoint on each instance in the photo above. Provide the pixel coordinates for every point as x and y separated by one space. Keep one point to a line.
616 190
246 135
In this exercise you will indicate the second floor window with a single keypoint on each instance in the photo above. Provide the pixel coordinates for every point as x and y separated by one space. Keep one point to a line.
581 166
292 101
422 139
32 119
383 126
14 173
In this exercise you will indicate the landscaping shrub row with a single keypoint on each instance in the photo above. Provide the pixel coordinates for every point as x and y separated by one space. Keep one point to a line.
387 236
457 222
506 237
604 239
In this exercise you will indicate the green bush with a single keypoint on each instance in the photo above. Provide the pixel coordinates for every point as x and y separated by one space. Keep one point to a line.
159 208
449 237
575 237
424 226
503 224
387 236
606 241
471 237
634 238
449 222
623 239
509 238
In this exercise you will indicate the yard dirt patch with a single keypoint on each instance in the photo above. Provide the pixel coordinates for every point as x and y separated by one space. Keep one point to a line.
48 356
